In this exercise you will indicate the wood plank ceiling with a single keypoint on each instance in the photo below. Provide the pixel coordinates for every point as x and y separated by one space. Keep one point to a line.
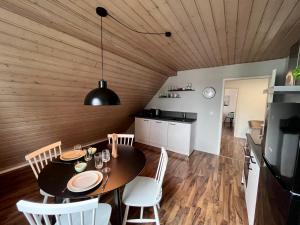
206 33
50 58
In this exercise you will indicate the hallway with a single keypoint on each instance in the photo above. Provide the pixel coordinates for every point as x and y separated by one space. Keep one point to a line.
231 146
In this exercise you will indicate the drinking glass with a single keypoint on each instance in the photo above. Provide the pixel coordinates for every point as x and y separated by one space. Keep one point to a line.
106 158
77 147
98 160
88 156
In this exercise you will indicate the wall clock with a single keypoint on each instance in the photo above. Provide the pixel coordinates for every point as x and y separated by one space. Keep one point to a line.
209 92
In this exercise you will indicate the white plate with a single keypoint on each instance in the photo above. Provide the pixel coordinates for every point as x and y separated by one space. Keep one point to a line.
85 181
72 155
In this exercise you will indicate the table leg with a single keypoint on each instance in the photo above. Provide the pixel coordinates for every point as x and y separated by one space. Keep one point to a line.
118 204
58 200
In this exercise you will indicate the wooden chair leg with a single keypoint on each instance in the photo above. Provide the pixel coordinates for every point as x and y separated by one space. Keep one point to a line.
125 215
156 215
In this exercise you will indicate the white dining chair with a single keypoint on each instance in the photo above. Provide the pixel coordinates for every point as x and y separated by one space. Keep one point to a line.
88 212
39 159
145 192
123 139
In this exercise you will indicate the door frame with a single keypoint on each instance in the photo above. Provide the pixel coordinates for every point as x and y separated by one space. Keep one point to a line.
222 102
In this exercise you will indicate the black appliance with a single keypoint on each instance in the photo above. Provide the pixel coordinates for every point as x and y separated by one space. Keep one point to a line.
278 200
155 112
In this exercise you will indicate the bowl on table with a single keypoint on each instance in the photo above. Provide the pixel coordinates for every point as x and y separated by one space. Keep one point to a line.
92 150
80 166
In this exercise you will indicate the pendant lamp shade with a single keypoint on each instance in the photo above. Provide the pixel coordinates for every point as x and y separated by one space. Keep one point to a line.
102 96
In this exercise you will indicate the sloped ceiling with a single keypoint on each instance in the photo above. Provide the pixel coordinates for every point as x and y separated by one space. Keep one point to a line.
206 33
50 58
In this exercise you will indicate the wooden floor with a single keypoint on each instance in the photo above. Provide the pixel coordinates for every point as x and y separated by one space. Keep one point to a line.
231 146
205 189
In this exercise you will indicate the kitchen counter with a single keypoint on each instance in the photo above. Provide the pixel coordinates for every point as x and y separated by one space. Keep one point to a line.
254 141
171 119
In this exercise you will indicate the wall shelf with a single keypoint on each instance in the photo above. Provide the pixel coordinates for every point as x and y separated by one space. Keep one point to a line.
181 90
283 90
168 97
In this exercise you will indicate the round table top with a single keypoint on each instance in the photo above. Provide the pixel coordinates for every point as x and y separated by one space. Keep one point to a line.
54 177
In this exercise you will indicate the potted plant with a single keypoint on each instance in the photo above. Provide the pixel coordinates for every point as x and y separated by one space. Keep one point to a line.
296 75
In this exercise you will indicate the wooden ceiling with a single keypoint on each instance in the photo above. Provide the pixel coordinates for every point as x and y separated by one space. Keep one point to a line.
206 33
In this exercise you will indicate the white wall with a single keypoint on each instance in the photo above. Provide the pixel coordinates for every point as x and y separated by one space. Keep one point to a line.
251 102
208 127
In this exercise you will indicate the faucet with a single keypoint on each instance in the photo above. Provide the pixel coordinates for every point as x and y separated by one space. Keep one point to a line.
184 115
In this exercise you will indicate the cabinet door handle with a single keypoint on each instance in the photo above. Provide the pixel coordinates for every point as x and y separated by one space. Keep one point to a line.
249 168
157 122
172 123
251 159
146 120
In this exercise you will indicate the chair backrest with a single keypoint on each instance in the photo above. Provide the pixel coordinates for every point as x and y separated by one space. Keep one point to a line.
123 139
35 212
39 158
162 166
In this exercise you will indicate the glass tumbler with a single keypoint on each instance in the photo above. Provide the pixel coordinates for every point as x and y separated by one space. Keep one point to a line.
77 147
98 160
106 158
88 156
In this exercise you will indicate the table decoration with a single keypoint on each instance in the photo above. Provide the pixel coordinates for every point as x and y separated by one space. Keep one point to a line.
114 151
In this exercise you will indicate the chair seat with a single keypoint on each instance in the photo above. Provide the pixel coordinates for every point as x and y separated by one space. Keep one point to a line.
102 216
142 192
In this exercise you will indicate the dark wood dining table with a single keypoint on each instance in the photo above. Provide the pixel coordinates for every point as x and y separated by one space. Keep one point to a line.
54 177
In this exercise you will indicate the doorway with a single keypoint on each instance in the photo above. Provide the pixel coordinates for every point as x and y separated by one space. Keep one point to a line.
229 108
243 101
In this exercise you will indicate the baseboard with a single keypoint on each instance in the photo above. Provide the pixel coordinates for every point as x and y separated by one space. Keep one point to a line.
13 168
21 165
211 153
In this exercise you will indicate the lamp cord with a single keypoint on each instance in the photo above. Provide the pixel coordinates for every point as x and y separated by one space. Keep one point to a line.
101 50
134 30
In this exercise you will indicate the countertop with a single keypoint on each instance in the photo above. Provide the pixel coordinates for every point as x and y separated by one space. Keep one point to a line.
171 119
255 143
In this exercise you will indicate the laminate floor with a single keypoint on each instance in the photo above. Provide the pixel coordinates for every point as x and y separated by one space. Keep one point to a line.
231 146
204 190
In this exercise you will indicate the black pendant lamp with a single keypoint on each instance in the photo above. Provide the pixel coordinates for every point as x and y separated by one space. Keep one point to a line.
101 95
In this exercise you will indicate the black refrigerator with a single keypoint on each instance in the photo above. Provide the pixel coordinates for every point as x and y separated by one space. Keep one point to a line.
278 197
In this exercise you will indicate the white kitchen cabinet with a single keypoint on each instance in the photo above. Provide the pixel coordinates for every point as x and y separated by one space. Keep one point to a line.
158 133
174 136
142 130
251 189
179 137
